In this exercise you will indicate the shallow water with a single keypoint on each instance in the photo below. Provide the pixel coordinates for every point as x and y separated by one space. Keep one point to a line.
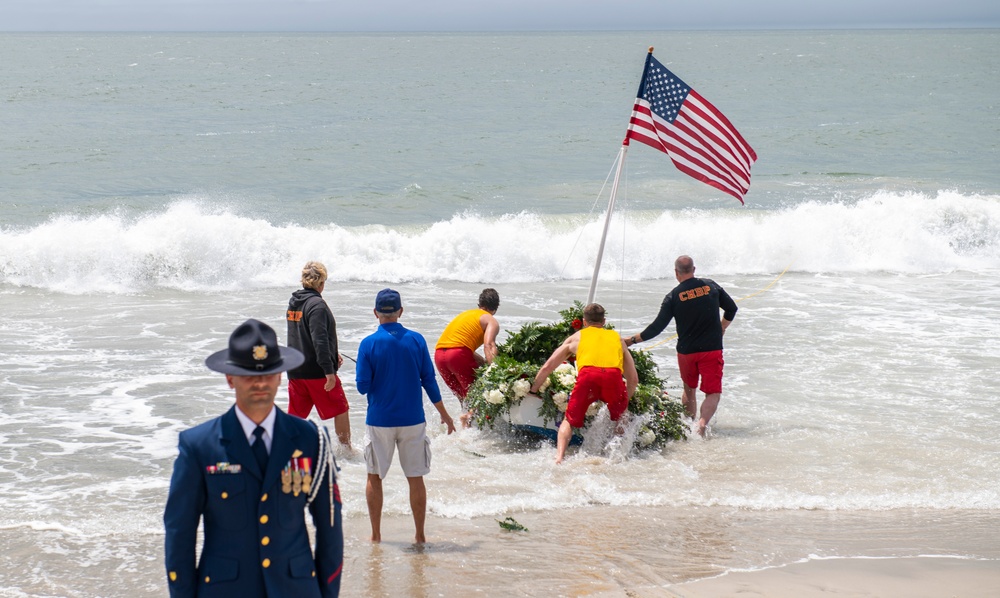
833 437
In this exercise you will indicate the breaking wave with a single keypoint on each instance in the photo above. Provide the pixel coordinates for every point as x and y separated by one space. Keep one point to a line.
189 246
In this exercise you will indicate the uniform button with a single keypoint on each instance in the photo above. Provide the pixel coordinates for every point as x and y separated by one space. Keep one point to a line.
314 574
173 576
225 495
265 541
207 579
263 498
263 518
265 563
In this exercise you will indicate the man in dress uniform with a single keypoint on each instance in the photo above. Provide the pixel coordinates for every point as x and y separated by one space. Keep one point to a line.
250 475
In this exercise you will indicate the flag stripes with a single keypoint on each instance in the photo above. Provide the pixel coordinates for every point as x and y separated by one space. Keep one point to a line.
701 142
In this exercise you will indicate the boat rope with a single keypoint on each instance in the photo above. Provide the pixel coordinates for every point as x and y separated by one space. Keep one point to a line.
772 283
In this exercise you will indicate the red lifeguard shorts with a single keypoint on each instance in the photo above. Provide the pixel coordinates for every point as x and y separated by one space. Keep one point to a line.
707 365
457 367
596 384
304 393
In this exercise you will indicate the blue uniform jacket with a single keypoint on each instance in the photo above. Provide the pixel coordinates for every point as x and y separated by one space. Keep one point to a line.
256 543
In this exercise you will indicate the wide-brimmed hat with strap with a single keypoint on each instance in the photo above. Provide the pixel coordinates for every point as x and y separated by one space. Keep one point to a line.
254 351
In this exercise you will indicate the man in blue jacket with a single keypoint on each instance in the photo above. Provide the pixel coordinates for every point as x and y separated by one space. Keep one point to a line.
249 475
394 367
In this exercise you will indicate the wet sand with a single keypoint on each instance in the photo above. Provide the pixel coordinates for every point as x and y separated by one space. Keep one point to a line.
679 552
930 577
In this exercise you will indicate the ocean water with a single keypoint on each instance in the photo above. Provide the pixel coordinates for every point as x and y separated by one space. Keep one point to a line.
159 189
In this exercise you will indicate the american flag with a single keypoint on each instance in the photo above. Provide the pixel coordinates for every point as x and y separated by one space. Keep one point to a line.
701 142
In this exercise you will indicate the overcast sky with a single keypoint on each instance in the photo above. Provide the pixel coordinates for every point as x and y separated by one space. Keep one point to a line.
479 15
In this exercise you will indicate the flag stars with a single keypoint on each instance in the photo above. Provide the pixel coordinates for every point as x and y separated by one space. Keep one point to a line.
665 94
698 151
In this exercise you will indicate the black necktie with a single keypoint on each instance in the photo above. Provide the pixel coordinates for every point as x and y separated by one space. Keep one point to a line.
259 450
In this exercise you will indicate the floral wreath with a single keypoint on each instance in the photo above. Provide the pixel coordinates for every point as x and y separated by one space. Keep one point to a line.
503 383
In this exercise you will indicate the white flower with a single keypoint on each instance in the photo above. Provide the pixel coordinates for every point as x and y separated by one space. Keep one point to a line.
561 400
567 380
504 388
646 437
494 396
545 384
566 367
521 388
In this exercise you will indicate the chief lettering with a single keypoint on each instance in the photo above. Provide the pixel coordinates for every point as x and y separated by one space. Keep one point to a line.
694 293
260 352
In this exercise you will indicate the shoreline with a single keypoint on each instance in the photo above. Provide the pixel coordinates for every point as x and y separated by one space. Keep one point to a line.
679 552
888 577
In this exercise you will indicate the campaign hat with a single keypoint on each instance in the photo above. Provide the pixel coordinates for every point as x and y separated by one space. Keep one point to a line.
254 351
387 301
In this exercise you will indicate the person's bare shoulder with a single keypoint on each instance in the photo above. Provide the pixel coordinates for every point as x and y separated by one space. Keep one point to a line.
573 340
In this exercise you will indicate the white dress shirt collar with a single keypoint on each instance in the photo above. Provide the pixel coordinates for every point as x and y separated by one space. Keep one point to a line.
249 426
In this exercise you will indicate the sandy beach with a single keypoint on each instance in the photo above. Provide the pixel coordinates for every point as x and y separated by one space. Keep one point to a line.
930 577
678 552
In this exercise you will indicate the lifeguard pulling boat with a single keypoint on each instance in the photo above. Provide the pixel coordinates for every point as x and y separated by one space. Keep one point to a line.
671 117
500 392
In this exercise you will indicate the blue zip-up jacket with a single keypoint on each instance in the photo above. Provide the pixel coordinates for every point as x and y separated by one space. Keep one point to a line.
394 368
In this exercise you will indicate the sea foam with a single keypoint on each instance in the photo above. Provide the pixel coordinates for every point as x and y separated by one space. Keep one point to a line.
195 247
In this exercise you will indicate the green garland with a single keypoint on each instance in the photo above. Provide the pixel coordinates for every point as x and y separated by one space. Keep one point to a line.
510 524
504 383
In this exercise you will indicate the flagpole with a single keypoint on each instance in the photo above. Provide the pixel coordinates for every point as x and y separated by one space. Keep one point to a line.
614 186
607 220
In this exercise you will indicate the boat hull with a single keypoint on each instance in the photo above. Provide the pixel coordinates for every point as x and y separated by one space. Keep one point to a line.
523 417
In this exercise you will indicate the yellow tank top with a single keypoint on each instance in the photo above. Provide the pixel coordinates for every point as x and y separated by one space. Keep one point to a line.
463 331
600 347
